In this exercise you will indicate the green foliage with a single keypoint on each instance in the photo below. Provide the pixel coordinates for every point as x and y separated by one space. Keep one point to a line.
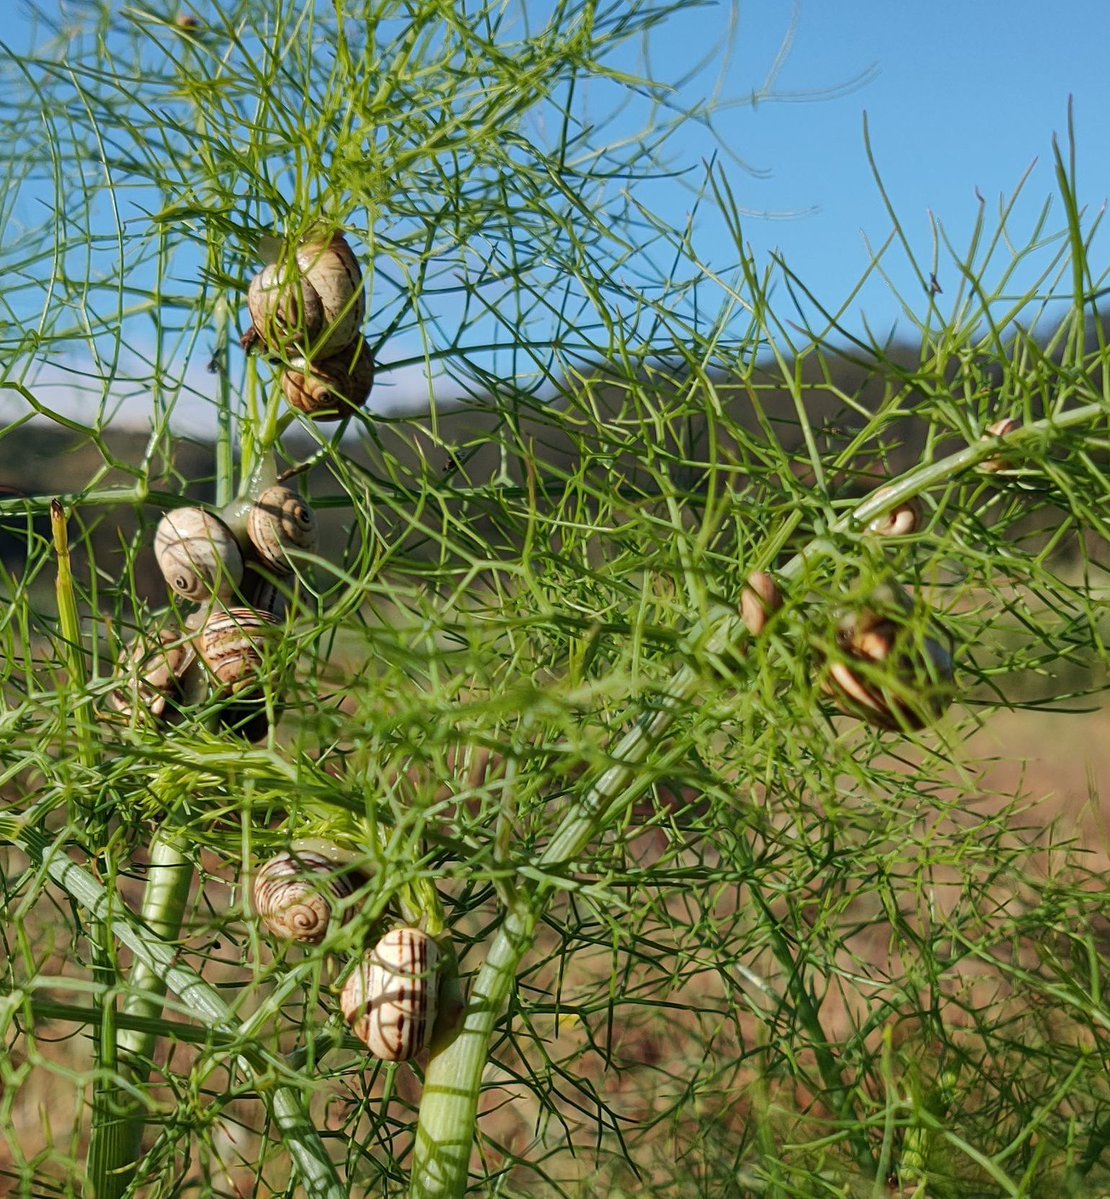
713 936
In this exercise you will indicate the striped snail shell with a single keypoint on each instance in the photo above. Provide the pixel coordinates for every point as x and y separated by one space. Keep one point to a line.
330 388
198 555
280 520
900 521
232 643
151 667
295 894
884 674
391 999
316 303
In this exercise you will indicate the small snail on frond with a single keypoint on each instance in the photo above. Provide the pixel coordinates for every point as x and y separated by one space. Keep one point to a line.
901 521
392 998
297 893
883 669
151 668
759 601
998 430
280 520
314 304
330 388
198 555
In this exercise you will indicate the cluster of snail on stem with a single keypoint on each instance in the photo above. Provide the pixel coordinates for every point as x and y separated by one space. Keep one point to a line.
876 667
390 1000
227 565
307 311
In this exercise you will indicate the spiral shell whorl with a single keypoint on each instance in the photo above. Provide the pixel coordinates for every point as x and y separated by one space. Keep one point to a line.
280 520
198 555
886 675
330 388
294 895
151 668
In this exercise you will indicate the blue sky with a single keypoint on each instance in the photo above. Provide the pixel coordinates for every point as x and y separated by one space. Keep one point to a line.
962 98
960 95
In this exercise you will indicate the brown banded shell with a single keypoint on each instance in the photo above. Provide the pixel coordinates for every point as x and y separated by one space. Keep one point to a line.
884 672
198 555
900 521
151 669
295 894
232 643
280 520
330 388
391 999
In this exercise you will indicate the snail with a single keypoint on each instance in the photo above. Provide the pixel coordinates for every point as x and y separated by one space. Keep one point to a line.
263 593
314 304
152 670
900 521
391 999
759 600
330 388
198 555
295 894
280 520
1000 428
884 673
232 644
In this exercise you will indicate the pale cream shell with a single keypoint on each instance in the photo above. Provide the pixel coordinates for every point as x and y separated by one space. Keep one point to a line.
901 521
198 555
920 672
286 312
279 520
391 999
331 269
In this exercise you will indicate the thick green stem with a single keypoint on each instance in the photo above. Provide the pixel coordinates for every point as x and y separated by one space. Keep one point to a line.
286 1101
169 878
453 1082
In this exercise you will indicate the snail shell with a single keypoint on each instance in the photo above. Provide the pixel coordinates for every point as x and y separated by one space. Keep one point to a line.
263 593
391 999
152 668
331 269
759 600
198 555
295 894
232 643
280 520
330 388
315 304
898 522
285 313
886 675
1000 428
